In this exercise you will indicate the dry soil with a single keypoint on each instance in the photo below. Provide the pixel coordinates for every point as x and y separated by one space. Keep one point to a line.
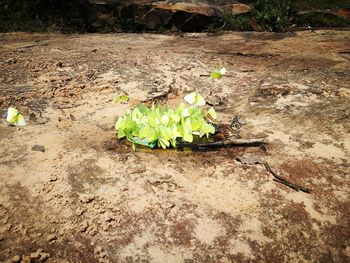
89 198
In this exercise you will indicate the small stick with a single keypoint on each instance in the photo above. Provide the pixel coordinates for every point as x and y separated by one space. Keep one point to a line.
33 45
69 106
207 75
284 181
228 142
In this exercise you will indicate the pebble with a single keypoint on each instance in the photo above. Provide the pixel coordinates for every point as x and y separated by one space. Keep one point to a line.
86 198
51 237
71 116
15 259
79 211
38 148
83 226
53 178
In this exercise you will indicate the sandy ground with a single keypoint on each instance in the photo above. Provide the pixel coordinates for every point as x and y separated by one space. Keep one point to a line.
90 198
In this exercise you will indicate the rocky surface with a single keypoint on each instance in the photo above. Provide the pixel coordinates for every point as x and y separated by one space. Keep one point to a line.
90 198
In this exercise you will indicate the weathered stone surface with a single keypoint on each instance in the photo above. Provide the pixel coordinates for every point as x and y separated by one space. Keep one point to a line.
182 16
238 9
198 8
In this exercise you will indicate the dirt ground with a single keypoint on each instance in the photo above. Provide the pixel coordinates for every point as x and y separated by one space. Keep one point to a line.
89 198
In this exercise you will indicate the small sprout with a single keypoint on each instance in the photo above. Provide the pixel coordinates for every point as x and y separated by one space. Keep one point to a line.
14 117
218 73
121 99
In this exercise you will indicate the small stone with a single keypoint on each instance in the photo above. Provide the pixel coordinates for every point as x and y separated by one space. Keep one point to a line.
53 178
34 255
15 259
44 256
51 237
93 232
86 198
80 211
105 227
83 226
344 92
32 117
238 9
71 116
108 217
165 177
38 148
214 100
26 259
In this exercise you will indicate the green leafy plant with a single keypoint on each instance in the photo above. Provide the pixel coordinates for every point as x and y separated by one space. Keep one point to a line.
273 15
164 127
237 22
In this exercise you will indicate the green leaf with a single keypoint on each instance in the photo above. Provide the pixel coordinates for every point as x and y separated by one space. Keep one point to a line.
188 137
136 115
216 74
175 117
164 143
121 99
121 134
212 113
196 124
165 119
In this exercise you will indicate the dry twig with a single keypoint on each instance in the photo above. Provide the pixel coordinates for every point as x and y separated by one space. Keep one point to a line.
284 181
222 143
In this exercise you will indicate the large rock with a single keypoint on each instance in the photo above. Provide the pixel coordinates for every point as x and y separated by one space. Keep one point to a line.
237 9
198 8
184 15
